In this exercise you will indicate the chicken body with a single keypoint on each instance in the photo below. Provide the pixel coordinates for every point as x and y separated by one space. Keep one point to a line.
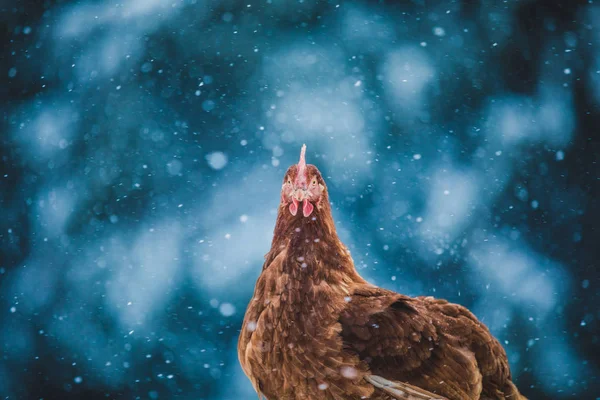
314 329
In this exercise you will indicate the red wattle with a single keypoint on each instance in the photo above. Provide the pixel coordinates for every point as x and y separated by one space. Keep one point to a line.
307 208
294 207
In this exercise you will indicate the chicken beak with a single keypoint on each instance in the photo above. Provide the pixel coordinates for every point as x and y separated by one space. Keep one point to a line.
298 194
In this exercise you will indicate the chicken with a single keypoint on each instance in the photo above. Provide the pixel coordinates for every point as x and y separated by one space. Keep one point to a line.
315 329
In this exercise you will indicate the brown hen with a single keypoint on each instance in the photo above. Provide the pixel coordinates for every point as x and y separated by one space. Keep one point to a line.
315 329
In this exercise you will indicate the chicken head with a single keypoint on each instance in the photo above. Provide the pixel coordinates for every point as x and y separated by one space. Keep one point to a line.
302 184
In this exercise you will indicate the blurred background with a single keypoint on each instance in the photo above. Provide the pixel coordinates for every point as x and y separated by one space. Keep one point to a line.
143 145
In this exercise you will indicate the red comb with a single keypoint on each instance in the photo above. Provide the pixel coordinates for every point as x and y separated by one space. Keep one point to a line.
301 176
302 162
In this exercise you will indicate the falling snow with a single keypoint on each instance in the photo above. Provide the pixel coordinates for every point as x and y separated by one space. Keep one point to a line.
217 160
142 157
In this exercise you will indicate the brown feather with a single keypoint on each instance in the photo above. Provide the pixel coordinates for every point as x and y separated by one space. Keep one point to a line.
315 329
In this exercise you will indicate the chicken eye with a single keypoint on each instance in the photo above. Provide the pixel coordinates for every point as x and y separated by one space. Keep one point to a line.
289 182
314 182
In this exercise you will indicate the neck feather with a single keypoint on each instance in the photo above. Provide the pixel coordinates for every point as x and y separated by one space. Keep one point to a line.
313 248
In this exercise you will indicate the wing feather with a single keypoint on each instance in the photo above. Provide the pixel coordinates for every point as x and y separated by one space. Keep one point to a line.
400 390
431 344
